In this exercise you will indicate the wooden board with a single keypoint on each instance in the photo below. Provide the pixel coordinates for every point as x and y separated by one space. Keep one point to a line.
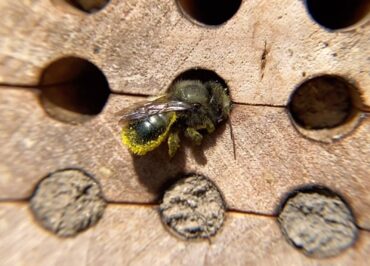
261 175
264 52
133 235
142 46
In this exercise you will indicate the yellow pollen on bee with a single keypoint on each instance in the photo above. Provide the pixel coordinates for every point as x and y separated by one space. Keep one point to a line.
128 135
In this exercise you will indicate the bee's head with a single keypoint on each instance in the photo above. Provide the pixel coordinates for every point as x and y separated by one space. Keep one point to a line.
220 103
190 91
211 97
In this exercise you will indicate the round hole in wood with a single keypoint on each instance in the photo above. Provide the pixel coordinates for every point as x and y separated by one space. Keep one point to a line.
211 80
73 90
209 12
193 208
338 14
201 74
87 6
67 202
318 222
323 102
325 107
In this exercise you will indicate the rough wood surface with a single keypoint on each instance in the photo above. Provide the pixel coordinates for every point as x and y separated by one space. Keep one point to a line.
133 235
272 158
142 46
264 52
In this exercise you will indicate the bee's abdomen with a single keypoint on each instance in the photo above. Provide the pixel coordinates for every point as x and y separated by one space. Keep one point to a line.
145 135
150 128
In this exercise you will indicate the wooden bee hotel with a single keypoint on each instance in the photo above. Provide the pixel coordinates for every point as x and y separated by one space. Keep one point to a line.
184 132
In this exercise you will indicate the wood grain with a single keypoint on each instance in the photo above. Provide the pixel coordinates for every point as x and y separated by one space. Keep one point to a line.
272 157
142 46
264 52
125 236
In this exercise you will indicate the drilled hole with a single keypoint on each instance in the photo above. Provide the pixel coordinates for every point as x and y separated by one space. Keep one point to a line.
210 80
67 202
326 108
73 90
318 222
87 6
201 74
209 12
338 14
193 208
324 102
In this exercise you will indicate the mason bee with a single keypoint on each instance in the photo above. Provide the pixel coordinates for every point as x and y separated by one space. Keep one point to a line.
190 106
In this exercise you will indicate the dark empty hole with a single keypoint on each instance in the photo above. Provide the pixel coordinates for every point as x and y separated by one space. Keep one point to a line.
73 90
210 12
324 102
202 75
338 14
88 6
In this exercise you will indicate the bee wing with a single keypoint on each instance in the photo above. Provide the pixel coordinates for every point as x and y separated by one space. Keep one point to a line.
148 108
132 108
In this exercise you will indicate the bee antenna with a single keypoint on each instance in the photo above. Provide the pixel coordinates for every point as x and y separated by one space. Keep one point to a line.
232 138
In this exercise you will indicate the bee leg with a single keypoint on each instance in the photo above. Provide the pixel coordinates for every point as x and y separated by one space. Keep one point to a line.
173 142
208 124
194 135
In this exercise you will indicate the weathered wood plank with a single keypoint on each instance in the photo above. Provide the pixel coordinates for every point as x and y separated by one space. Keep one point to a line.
142 46
263 52
272 157
133 235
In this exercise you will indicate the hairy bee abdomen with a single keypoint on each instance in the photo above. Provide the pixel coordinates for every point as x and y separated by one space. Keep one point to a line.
146 134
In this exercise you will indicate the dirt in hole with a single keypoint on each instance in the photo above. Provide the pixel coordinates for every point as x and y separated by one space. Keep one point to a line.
322 102
193 208
67 202
320 225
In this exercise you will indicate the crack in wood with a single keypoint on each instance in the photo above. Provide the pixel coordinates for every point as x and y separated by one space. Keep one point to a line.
264 60
156 205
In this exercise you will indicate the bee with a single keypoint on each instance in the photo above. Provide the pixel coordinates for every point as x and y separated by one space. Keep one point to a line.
190 106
